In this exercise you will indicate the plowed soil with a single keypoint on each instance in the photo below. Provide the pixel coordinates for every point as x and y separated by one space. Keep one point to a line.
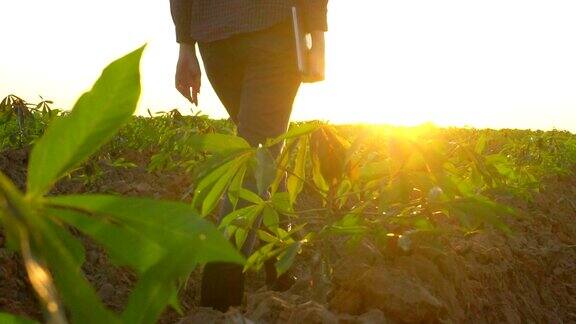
527 276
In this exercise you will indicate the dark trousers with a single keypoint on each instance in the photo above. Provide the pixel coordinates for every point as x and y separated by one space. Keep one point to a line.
255 75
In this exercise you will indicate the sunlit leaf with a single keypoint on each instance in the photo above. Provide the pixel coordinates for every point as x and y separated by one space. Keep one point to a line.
281 202
295 131
76 292
295 181
267 237
236 185
265 169
155 288
242 214
51 255
240 237
213 184
162 221
95 118
250 196
219 144
125 245
6 318
211 200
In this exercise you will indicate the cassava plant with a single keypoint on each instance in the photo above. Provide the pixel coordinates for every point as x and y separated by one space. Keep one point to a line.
390 188
162 241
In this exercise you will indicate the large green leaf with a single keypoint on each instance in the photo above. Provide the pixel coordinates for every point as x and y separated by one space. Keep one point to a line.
172 224
78 295
13 319
124 244
157 287
51 257
95 118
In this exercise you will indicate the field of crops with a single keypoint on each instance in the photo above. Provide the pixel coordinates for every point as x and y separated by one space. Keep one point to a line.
106 217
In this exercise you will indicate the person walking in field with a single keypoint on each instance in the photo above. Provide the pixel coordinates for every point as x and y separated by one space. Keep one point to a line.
249 53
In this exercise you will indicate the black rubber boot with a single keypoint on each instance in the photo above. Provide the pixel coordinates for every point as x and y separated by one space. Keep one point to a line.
222 286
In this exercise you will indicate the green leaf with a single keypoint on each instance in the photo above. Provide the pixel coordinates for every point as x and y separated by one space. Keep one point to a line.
267 237
281 202
270 217
6 318
483 209
282 163
287 258
125 245
295 179
41 279
95 118
480 144
236 185
241 215
76 292
257 259
203 187
250 196
174 302
42 243
240 237
157 287
330 151
213 184
219 144
213 197
317 176
173 225
295 132
265 170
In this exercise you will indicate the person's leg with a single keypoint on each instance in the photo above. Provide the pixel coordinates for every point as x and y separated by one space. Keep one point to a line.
269 84
271 81
224 68
223 283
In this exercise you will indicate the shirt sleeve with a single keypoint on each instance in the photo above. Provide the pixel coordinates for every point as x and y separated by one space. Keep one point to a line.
181 15
315 13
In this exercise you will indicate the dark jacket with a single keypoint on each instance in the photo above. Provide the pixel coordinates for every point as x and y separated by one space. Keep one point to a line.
210 20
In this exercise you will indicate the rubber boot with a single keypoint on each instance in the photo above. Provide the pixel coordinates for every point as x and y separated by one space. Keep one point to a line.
222 286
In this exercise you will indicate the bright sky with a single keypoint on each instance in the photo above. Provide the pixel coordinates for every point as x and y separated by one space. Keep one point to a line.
489 63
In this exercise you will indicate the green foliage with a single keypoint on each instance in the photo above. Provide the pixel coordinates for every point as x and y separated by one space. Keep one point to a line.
374 184
145 234
22 122
71 140
11 319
